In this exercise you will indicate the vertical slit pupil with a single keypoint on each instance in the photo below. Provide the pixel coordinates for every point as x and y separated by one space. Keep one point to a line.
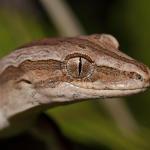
80 65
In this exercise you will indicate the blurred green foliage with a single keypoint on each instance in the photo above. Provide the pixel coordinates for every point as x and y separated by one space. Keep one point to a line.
88 122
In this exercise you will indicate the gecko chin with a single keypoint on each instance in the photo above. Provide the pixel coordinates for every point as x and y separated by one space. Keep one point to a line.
68 92
72 94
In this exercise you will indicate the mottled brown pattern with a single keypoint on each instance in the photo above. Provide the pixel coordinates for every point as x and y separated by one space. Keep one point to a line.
50 82
41 70
108 74
50 65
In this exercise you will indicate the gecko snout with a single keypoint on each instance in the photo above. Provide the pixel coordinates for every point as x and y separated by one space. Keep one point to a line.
147 77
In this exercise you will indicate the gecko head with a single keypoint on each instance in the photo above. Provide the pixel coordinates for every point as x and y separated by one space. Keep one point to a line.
97 69
106 71
70 69
86 67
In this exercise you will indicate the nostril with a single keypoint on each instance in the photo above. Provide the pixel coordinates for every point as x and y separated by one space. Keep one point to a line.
139 77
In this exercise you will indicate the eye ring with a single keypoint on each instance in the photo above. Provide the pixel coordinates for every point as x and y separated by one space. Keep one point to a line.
73 55
79 66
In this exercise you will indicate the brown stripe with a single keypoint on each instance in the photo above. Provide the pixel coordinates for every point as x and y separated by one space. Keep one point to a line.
84 42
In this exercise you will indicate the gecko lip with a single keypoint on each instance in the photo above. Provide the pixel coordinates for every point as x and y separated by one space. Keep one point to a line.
103 93
114 86
109 89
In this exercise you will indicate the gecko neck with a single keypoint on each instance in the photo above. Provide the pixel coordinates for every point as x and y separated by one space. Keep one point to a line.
7 100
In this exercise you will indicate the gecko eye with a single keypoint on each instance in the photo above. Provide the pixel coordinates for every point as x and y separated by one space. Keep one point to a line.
79 67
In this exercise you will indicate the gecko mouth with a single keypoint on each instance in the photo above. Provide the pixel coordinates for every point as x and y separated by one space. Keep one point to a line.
109 89
131 86
81 92
108 93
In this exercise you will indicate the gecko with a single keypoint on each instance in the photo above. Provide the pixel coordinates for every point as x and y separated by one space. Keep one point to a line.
57 71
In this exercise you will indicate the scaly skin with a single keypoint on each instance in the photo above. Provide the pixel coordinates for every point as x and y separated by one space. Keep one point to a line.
55 71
